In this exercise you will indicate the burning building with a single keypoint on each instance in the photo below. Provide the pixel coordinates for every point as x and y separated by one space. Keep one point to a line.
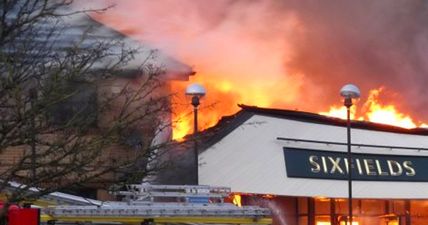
282 49
294 162
286 54
66 81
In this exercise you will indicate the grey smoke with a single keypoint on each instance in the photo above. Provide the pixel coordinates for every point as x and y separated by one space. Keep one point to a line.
369 43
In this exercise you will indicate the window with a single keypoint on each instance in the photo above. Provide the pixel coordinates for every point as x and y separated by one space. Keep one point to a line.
76 105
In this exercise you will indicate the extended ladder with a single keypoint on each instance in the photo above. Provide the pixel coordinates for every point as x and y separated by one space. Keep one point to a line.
144 203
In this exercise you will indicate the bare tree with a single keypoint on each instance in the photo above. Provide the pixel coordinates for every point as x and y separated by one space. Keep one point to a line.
69 112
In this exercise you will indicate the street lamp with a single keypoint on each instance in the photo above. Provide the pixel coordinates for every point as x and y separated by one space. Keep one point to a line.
349 92
196 91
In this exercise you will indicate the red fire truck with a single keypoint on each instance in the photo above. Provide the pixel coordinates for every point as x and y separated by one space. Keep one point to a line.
17 215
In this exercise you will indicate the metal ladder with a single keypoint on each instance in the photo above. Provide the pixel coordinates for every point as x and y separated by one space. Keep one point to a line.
164 204
138 193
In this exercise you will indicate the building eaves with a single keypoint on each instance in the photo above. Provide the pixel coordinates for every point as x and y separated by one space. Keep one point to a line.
175 69
212 135
227 124
49 39
320 119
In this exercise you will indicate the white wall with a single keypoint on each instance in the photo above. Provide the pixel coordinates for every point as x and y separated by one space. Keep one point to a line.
251 160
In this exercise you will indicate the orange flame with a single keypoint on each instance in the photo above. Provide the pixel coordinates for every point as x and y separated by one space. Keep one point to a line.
237 200
373 110
222 99
347 223
339 112
386 114
210 110
377 112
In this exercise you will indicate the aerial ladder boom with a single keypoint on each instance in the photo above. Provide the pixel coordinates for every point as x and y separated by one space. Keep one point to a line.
146 204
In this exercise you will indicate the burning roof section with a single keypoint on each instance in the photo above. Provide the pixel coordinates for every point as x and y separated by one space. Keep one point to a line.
228 123
182 154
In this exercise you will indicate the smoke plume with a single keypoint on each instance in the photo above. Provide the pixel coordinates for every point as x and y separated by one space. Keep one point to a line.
290 54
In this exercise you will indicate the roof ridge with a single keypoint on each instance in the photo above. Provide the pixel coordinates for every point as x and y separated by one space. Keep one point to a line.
317 118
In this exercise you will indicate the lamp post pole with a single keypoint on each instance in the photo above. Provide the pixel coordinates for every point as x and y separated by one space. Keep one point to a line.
348 104
195 103
349 92
196 91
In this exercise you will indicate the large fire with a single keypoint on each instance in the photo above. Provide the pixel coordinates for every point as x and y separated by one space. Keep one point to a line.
377 112
372 110
216 104
285 54
224 93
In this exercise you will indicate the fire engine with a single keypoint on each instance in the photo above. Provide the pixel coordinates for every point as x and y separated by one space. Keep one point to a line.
25 215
